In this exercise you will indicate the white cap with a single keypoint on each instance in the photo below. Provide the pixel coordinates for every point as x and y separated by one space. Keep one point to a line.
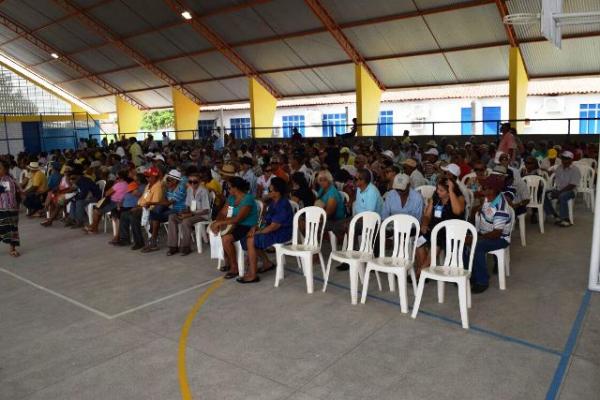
174 174
401 182
453 169
567 154
432 152
158 157
149 155
389 154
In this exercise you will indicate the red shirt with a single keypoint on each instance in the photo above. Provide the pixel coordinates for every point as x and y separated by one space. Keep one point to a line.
464 169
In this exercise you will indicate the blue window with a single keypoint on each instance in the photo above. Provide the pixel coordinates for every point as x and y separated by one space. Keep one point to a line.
334 123
385 125
205 127
292 121
589 111
240 128
466 116
491 120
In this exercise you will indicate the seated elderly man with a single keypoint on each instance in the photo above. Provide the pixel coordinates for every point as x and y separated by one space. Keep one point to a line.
566 180
402 199
416 177
197 208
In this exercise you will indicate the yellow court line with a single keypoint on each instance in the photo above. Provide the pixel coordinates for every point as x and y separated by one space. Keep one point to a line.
186 394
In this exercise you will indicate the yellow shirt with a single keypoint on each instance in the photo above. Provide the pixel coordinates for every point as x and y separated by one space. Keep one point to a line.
38 179
152 194
214 186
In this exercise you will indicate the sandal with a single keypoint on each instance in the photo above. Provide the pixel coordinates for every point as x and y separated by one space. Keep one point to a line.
243 280
266 269
231 275
14 253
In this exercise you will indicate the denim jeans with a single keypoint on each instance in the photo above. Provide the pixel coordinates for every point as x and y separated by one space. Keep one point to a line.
563 203
480 275
78 208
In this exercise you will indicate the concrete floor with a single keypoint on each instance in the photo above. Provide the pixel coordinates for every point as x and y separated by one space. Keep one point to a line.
80 319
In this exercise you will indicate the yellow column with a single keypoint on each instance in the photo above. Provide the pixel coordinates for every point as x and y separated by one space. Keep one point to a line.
262 110
129 118
368 98
186 115
517 95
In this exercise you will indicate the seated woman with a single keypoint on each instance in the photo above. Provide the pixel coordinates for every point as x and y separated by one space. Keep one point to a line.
197 208
56 199
114 197
277 229
446 203
301 191
241 213
330 199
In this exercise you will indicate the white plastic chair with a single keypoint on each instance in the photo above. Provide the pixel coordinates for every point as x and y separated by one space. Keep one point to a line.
426 191
358 258
537 194
586 184
467 177
200 227
469 200
590 162
452 268
314 226
239 251
295 206
503 255
400 262
90 207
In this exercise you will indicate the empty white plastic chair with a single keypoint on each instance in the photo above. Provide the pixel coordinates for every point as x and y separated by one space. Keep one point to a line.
452 268
586 184
357 259
426 191
315 219
537 194
400 261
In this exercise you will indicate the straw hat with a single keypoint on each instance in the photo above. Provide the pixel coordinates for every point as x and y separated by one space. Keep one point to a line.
227 170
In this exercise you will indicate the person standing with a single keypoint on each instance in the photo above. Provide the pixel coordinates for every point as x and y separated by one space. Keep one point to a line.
9 209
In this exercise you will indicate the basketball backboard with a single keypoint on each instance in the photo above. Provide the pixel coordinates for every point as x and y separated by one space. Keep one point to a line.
549 25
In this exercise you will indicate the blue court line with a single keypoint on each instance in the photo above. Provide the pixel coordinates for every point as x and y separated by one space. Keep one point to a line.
565 357
430 314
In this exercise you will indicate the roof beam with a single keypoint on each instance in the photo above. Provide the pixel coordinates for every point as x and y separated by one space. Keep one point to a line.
26 34
140 59
510 31
334 29
224 48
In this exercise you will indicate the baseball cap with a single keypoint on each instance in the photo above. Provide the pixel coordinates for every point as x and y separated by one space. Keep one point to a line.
500 169
344 150
431 143
152 171
567 154
159 157
389 154
453 169
174 174
410 162
552 154
432 152
401 182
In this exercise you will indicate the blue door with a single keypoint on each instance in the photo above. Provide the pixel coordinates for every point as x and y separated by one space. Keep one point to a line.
491 120
31 137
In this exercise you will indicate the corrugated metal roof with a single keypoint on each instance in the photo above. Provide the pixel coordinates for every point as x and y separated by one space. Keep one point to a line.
410 71
184 69
133 79
467 64
103 59
277 15
354 10
84 88
393 37
311 81
239 26
484 26
25 52
427 4
155 97
26 15
103 104
216 64
119 18
154 13
224 90
576 56
56 71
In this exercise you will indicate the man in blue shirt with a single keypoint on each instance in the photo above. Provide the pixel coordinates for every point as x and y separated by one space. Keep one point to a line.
86 192
368 197
402 199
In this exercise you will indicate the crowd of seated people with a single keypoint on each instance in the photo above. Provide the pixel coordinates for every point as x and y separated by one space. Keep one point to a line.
141 188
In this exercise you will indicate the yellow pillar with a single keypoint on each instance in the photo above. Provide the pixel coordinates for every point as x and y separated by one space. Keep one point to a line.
129 118
517 94
186 115
368 98
262 110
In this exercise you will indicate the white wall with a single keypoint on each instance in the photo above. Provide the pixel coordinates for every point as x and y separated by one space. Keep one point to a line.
442 110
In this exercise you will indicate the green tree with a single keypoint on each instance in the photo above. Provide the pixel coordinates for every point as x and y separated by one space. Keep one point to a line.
155 120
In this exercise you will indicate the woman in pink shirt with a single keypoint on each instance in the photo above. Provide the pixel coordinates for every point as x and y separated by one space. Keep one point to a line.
110 202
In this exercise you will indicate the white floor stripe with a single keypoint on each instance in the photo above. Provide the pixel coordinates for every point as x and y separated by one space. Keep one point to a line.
100 313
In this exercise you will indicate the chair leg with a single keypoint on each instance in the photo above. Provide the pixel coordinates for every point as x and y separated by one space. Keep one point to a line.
322 262
402 291
363 298
240 259
392 282
199 231
378 280
522 229
413 277
507 260
280 258
354 282
418 297
541 218
570 204
501 271
462 300
326 277
441 286
468 293
308 273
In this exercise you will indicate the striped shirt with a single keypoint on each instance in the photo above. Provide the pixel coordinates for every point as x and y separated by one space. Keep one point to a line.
495 216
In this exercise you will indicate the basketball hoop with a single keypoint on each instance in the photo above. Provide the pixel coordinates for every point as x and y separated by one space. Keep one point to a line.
521 19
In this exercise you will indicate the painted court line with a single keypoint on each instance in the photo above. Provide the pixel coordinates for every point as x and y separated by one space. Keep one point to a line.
450 320
561 369
98 312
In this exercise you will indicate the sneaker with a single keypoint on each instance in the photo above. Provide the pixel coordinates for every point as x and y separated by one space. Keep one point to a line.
477 288
564 224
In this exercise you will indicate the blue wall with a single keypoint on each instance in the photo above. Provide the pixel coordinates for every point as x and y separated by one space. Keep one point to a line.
36 138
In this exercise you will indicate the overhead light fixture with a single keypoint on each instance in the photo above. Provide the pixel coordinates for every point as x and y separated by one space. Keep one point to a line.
54 55
186 15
